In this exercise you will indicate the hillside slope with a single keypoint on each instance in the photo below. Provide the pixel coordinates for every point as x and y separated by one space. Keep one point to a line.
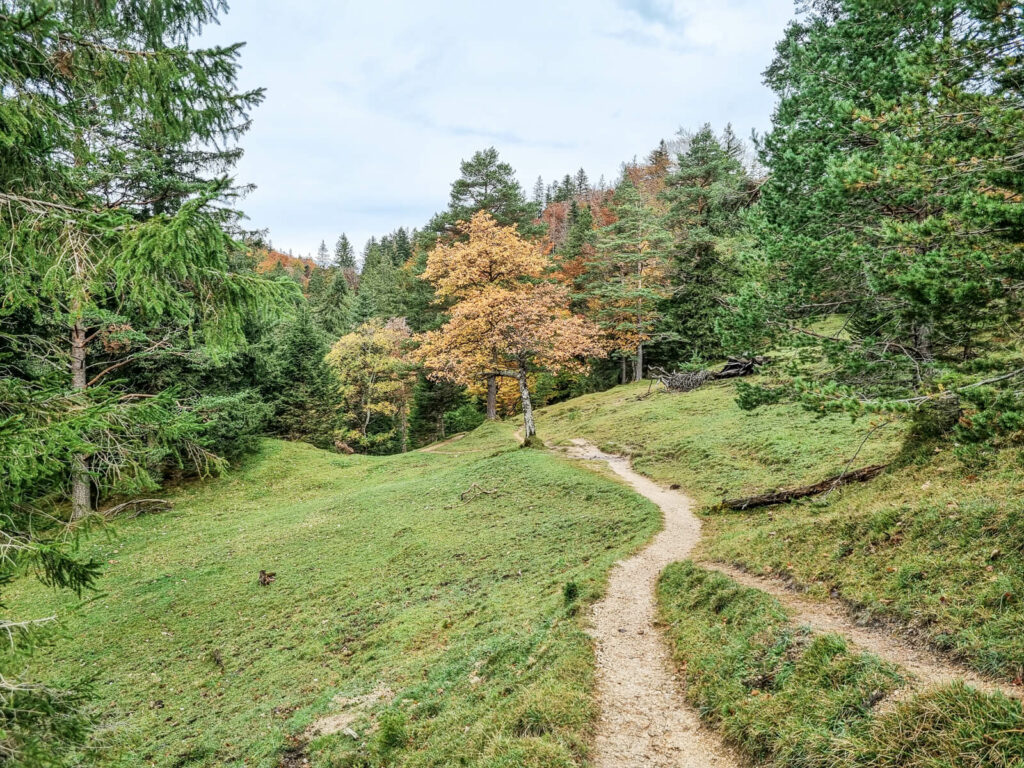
436 628
933 547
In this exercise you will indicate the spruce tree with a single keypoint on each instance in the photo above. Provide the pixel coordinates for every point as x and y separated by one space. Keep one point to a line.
323 256
705 195
344 254
118 225
628 276
539 195
297 383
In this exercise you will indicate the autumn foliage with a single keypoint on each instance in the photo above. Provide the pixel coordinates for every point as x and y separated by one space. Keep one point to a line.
506 320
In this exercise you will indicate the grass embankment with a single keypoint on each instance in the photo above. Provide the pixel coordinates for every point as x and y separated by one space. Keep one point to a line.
704 442
788 698
932 546
448 616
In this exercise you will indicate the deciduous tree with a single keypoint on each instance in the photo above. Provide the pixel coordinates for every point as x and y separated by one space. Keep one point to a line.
506 321
376 379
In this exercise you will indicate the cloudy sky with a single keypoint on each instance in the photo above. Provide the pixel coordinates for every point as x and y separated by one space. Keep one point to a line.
371 104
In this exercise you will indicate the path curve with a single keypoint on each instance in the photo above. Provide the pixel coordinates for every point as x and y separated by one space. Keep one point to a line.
645 721
928 667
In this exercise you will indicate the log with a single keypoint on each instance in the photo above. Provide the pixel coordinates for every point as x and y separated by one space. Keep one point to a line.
781 497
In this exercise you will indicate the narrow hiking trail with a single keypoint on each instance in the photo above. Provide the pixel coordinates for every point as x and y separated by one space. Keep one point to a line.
929 667
644 720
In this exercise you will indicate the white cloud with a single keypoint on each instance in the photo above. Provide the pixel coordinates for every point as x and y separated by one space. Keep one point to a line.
371 106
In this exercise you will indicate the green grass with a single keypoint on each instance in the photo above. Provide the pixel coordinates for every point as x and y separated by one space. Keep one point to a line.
786 697
704 442
930 546
386 580
933 548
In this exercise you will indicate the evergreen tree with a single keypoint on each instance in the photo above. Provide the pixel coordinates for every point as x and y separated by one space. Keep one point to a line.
627 279
331 303
379 295
323 257
705 195
894 198
539 195
344 254
582 183
575 257
117 226
297 383
401 247
487 184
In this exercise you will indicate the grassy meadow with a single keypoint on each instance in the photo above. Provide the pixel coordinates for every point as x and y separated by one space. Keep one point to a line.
422 628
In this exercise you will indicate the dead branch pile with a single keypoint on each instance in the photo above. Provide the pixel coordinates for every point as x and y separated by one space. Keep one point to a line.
780 497
475 491
136 507
687 381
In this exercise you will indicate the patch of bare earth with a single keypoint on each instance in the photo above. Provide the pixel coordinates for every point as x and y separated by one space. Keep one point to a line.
928 667
349 708
644 720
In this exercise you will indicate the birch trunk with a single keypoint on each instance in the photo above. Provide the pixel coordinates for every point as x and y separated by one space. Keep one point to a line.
530 428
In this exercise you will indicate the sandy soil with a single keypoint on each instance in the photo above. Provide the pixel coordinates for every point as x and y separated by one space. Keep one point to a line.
644 719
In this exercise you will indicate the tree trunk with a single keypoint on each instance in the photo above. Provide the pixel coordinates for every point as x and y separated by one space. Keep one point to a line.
638 371
530 428
492 397
623 375
405 428
81 503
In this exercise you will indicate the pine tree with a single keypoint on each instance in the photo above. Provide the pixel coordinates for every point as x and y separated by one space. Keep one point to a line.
628 277
705 194
894 198
487 184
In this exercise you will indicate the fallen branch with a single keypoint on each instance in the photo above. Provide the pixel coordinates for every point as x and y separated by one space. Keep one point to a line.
780 497
138 506
474 491
687 381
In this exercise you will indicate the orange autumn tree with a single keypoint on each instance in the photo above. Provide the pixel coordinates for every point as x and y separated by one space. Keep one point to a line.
505 320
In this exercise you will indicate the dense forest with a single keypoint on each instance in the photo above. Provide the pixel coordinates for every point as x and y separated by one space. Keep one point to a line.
147 337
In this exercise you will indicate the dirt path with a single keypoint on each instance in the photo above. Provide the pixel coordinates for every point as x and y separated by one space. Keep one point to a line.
644 721
433 447
930 668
